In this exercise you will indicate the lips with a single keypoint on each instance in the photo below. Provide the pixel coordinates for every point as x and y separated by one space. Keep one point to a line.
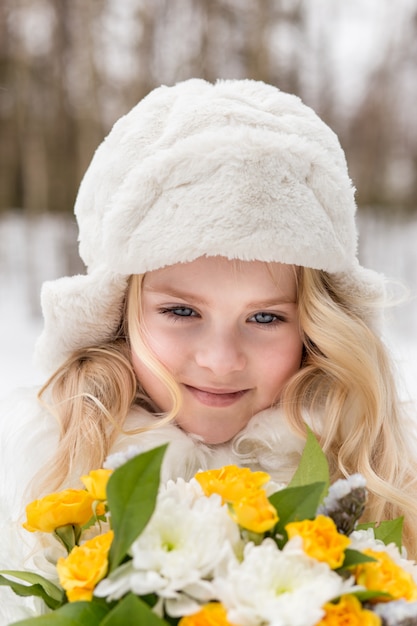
216 397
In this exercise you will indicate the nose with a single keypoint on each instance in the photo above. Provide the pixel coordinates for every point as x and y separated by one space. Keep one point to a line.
222 352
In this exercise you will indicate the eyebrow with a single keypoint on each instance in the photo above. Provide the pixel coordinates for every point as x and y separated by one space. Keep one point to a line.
174 293
191 297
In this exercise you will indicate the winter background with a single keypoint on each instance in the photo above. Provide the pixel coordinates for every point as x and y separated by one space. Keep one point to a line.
38 245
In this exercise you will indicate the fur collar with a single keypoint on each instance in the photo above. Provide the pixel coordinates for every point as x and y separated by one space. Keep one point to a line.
265 444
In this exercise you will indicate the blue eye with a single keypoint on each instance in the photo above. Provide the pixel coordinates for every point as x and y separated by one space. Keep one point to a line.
265 318
180 311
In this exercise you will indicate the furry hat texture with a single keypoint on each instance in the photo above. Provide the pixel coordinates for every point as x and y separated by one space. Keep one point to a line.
237 168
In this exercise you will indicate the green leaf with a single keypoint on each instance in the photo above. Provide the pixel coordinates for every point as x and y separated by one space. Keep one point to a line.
295 504
313 466
132 610
354 557
371 594
388 531
40 587
73 614
365 525
131 496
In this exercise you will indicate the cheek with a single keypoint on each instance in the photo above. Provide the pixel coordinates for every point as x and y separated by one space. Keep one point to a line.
166 352
295 352
151 384
283 360
165 349
160 343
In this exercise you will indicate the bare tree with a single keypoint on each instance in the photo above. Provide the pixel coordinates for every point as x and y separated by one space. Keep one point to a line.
69 68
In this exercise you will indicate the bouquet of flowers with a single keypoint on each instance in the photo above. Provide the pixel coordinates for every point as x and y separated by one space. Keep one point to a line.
227 548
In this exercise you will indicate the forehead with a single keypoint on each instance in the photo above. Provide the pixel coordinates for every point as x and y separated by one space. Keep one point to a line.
222 274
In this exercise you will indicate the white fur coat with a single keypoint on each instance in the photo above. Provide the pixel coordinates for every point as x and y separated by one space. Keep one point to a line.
28 438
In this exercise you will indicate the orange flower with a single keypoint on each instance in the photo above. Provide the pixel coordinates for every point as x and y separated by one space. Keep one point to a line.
321 540
232 483
96 482
72 506
386 575
213 614
84 567
348 611
254 512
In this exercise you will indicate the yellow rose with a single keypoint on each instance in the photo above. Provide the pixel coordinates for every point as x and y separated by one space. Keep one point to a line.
232 483
242 490
84 567
254 512
321 540
213 614
96 482
386 575
348 611
72 506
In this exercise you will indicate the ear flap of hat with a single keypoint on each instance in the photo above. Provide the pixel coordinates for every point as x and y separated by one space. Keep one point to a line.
79 311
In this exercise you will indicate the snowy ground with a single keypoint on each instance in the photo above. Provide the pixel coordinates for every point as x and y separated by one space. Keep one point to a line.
45 249
30 252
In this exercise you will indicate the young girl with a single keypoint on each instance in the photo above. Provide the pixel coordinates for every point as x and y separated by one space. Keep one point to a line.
223 309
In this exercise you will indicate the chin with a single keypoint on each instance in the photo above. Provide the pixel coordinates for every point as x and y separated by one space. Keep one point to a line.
211 436
215 438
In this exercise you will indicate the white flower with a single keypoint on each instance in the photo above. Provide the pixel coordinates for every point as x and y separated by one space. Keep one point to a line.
272 487
117 459
363 539
397 612
277 588
188 539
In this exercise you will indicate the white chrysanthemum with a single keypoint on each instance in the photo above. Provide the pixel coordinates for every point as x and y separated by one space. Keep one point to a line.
272 487
117 459
363 539
277 588
397 612
188 539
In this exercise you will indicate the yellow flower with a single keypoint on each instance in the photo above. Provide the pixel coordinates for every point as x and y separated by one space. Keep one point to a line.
348 611
321 540
84 567
254 512
72 506
213 614
386 575
232 483
96 482
242 490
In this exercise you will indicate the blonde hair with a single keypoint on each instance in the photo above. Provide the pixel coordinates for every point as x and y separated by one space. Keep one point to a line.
345 386
91 394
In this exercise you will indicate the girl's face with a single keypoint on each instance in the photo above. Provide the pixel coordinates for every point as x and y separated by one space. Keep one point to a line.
228 333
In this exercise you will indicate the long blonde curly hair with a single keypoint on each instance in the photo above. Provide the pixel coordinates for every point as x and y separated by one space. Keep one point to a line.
345 385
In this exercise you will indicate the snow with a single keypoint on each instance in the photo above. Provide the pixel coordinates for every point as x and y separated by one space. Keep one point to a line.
31 251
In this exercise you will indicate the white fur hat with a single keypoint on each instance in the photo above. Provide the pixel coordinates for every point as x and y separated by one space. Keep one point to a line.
238 169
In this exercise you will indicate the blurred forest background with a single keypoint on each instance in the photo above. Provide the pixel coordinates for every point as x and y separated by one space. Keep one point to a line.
70 68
